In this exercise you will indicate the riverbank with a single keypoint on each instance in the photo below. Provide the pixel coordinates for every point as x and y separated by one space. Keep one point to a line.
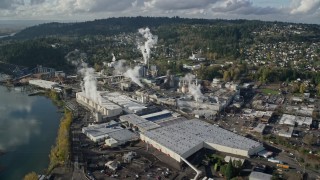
60 153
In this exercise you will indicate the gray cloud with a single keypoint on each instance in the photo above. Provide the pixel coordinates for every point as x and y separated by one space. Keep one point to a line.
111 5
178 4
9 4
298 11
34 2
244 7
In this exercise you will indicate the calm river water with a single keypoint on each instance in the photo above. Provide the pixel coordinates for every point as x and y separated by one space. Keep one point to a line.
28 128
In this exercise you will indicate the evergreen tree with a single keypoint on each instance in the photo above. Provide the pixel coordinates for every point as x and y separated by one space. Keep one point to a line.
229 171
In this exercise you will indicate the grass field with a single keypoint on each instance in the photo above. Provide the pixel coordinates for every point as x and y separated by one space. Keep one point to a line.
270 91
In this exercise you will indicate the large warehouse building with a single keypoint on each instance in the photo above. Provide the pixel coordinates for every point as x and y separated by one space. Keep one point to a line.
111 133
181 140
102 105
127 103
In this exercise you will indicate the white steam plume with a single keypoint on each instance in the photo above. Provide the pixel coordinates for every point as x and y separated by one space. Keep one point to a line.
188 78
194 90
133 74
89 83
76 58
113 58
119 67
151 40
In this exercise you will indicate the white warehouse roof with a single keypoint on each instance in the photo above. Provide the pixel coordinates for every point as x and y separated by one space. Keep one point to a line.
124 101
101 131
142 124
43 84
104 103
186 135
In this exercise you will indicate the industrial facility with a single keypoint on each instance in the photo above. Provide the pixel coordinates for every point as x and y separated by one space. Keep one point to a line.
128 104
138 122
43 84
101 104
111 133
181 140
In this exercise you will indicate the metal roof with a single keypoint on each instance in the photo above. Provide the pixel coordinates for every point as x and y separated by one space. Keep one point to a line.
259 176
43 83
292 119
104 130
123 100
142 124
181 137
104 103
123 135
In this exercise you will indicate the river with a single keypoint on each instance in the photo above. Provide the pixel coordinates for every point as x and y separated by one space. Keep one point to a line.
28 128
9 35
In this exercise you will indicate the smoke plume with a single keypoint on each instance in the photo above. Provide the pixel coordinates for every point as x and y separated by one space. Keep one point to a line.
195 91
133 74
119 67
76 58
89 83
193 88
188 78
113 58
145 47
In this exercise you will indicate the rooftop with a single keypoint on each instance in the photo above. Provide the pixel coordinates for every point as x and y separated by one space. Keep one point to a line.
154 116
181 137
260 128
109 130
142 124
97 130
286 131
123 135
43 83
123 100
259 176
101 101
292 119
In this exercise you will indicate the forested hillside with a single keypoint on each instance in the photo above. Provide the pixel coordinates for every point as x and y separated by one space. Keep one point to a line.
235 40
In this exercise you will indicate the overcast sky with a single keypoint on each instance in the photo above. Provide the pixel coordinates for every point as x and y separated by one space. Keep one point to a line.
301 11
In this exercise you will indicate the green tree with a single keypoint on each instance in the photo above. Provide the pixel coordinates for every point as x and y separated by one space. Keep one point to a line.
318 89
97 67
31 176
230 171
309 139
302 88
226 76
60 152
295 88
